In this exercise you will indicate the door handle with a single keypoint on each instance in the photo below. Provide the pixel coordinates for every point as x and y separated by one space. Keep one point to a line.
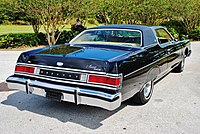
168 51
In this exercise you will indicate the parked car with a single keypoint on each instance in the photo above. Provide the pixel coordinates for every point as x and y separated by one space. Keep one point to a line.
102 66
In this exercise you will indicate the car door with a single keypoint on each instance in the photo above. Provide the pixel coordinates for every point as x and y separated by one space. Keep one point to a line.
169 45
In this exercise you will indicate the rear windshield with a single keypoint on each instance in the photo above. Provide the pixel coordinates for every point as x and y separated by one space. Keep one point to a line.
111 37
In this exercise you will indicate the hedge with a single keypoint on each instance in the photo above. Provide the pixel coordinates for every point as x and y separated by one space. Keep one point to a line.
18 40
31 39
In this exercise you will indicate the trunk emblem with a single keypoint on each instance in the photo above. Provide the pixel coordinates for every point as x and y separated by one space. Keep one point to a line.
59 64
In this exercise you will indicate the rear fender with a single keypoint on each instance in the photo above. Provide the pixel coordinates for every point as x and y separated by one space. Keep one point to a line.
152 74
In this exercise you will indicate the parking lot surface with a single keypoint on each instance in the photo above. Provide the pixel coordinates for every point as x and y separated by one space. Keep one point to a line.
173 109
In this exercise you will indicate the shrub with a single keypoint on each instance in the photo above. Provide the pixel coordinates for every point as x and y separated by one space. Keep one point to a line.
174 32
31 39
66 36
42 39
21 22
195 35
18 40
176 27
6 22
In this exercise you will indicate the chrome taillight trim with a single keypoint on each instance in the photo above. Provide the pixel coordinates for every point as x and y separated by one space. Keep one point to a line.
71 81
24 71
68 82
104 83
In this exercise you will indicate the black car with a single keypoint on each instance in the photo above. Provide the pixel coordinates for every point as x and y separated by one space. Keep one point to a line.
102 66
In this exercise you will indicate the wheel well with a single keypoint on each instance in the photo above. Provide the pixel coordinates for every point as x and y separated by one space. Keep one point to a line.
153 73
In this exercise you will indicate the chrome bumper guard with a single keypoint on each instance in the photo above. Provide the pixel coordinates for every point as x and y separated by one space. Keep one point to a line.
71 94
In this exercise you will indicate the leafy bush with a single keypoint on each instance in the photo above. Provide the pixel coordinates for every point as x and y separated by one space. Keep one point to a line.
195 35
174 32
178 30
21 22
42 39
176 27
32 39
66 36
18 40
6 22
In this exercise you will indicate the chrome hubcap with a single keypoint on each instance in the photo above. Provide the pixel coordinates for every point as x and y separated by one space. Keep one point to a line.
147 89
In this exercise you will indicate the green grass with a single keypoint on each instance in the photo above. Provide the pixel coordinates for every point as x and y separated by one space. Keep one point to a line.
5 29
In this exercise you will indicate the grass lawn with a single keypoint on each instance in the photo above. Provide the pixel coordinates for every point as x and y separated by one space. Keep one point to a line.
4 29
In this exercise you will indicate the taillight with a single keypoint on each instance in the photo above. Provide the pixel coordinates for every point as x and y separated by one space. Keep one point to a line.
24 69
113 81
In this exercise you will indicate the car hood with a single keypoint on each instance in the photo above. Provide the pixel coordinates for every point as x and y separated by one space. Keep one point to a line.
87 58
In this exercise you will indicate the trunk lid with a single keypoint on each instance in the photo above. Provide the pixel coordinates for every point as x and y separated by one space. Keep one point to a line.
86 58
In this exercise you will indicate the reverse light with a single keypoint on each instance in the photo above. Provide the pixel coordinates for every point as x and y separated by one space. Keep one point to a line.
107 80
24 69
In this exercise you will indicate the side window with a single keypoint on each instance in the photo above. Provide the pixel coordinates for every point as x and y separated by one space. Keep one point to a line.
163 36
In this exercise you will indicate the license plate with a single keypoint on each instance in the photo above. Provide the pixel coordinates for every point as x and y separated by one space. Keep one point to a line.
54 95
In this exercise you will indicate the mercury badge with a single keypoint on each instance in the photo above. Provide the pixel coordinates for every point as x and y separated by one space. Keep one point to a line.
59 64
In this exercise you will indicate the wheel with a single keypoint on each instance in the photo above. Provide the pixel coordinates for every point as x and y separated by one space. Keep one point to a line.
145 93
180 67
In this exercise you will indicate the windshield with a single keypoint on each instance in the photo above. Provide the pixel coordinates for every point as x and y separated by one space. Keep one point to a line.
109 37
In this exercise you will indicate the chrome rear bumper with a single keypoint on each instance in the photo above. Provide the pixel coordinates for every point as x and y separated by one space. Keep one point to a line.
71 94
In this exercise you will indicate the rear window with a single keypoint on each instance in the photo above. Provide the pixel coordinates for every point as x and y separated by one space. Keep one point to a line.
113 37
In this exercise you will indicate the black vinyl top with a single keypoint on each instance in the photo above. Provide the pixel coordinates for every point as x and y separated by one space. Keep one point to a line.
149 36
122 26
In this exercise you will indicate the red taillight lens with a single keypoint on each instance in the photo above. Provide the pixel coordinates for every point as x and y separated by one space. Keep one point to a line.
113 81
24 69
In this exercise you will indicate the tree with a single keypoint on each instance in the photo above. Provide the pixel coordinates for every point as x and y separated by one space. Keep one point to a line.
112 12
187 11
6 10
52 14
149 12
81 10
13 10
128 11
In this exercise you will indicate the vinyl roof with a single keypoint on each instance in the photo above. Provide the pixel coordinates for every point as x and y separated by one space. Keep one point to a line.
124 26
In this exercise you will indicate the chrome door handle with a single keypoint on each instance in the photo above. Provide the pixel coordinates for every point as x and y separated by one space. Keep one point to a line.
168 51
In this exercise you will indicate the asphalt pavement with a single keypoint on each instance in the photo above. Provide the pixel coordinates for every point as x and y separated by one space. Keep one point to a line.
173 109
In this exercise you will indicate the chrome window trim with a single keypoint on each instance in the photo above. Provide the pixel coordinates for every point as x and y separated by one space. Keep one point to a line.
141 44
149 46
168 34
